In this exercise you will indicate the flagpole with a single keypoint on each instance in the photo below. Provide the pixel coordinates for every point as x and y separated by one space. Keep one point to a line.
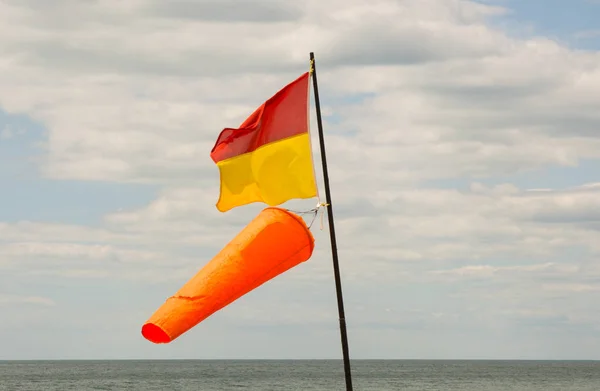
334 251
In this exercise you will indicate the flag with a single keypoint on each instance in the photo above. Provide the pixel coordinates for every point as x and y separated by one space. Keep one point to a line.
269 157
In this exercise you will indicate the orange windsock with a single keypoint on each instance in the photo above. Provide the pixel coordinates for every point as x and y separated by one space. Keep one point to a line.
275 241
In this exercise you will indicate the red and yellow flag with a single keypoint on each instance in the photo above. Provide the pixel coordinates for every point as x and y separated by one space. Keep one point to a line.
268 158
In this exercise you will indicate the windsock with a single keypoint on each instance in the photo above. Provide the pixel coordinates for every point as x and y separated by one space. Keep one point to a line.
274 242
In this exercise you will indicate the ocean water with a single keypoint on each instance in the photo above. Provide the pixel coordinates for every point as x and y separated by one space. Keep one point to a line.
253 375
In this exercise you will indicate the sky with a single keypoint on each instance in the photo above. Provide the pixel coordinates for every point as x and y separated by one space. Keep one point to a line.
463 143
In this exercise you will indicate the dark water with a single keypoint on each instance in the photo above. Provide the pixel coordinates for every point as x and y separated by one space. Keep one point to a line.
299 375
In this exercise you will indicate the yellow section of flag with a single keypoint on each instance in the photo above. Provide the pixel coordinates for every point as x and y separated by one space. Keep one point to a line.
273 174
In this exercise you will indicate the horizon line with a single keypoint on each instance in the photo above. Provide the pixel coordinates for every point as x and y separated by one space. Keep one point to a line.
298 359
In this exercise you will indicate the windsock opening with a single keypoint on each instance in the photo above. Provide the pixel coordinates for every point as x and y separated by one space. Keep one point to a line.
155 334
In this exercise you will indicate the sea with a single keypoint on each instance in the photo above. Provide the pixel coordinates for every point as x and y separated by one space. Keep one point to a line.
301 375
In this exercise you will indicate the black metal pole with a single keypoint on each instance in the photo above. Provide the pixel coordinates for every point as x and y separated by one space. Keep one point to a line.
334 251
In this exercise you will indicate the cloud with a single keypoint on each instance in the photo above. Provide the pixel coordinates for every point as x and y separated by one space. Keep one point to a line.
418 97
6 300
6 133
226 11
388 33
586 34
425 228
479 78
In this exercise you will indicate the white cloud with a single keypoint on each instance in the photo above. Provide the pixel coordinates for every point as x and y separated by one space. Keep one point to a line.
6 299
526 94
413 92
587 34
6 133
